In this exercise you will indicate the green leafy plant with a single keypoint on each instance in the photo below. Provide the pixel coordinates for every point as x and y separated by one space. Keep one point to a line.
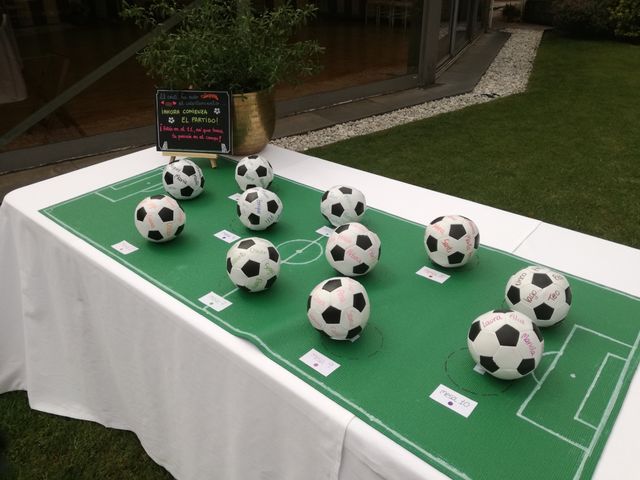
225 44
626 19
510 12
583 17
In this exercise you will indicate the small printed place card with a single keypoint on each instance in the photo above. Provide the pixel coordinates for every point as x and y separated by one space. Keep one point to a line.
234 197
453 400
319 362
432 274
124 247
215 301
226 236
326 231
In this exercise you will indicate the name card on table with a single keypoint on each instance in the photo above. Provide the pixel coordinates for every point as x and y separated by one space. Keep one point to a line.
193 121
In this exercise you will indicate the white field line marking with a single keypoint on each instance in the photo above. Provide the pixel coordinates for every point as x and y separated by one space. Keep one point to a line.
591 387
297 252
138 192
126 183
440 461
230 292
609 409
604 336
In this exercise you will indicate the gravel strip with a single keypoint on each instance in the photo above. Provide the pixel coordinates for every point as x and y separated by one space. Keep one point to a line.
507 75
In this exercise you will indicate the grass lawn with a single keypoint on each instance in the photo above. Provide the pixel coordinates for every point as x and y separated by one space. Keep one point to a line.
567 152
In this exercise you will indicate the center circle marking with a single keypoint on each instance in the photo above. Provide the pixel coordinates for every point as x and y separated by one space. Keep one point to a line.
300 247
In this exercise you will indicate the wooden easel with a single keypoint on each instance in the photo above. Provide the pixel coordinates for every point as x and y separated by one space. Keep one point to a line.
213 157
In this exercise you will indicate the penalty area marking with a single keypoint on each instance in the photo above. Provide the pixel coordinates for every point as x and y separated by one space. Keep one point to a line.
104 192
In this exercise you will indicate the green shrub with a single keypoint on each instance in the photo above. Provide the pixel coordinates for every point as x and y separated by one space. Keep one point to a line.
538 11
584 17
511 12
625 17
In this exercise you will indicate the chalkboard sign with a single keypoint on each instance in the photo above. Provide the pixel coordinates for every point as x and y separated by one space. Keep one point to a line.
193 121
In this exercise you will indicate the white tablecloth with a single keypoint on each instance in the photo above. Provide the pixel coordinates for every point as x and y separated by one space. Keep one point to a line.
89 339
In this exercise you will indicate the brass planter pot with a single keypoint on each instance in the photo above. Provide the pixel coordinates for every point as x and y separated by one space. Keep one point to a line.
254 120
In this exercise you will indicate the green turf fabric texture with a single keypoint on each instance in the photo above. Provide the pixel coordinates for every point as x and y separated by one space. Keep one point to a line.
416 337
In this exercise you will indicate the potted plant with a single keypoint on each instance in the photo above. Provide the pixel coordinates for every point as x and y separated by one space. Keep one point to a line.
227 45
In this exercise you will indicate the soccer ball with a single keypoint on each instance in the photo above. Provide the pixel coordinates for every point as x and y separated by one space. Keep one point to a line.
342 204
259 208
540 293
254 171
183 179
339 307
507 344
353 249
159 218
253 264
451 240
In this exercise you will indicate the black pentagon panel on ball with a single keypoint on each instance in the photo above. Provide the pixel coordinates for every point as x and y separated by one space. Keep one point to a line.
270 282
331 285
168 178
166 214
154 235
526 365
158 197
324 196
201 182
251 268
179 230
354 332
538 333
543 311
568 295
457 231
507 336
229 265
251 197
432 243
246 244
474 330
189 170
261 171
272 206
346 190
359 208
238 211
476 242
273 254
309 303
513 294
337 209
253 156
364 242
541 280
186 191
251 185
241 170
342 228
254 219
140 214
337 253
359 303
361 269
436 220
502 310
488 364
331 315
455 258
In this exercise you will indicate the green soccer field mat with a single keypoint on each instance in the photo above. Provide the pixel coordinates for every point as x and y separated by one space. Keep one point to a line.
552 424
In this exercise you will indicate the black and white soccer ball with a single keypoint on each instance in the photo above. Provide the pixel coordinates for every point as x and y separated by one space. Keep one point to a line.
183 179
540 293
253 264
341 204
451 240
159 218
506 343
259 208
352 249
254 171
339 307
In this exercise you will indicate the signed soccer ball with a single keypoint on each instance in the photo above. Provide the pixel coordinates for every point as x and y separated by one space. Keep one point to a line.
259 208
253 264
254 171
342 204
352 249
183 179
339 307
451 240
540 293
159 218
507 344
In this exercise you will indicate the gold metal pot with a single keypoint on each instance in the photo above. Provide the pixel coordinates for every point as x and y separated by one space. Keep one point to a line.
254 119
